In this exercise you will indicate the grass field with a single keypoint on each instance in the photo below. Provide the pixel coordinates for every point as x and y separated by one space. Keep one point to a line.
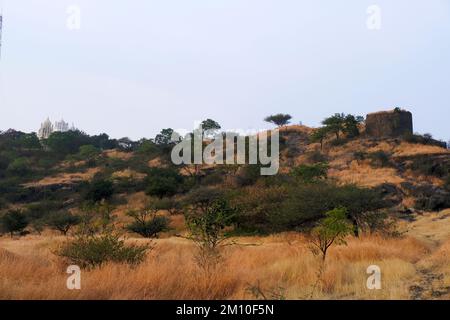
413 266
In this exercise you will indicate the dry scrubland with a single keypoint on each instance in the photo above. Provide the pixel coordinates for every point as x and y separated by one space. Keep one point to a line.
414 266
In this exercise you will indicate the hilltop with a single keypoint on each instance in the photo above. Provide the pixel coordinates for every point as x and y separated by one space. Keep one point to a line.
394 191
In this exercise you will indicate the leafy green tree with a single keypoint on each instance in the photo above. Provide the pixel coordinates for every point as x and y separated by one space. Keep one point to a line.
163 182
307 203
319 135
29 141
99 190
334 124
13 221
168 204
207 231
339 122
103 142
311 173
330 230
69 142
351 124
88 151
146 147
210 127
62 221
202 198
279 119
164 138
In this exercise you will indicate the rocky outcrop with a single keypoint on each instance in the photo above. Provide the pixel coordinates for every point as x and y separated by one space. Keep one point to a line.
389 124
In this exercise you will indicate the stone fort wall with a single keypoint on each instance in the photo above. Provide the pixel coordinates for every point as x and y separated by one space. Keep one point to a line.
389 124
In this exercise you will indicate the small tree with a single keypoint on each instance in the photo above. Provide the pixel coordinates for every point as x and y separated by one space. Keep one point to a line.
14 221
100 190
62 221
279 119
210 127
334 124
164 138
146 222
319 135
88 151
351 124
330 230
207 231
163 182
169 204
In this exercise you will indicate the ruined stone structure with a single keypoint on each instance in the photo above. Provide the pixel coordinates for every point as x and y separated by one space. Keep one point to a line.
389 124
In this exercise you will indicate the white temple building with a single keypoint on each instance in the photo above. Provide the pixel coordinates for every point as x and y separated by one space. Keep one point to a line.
47 128
61 126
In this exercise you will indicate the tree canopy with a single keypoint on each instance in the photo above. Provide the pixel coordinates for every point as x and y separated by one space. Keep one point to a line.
279 119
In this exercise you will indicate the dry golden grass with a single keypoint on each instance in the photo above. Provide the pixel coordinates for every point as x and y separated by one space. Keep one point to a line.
431 228
410 149
127 173
365 175
118 154
65 178
279 265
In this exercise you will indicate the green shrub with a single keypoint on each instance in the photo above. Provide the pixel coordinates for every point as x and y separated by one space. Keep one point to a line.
93 251
426 139
310 173
447 183
305 203
316 157
429 166
88 151
148 226
379 159
99 190
19 167
163 182
360 155
13 221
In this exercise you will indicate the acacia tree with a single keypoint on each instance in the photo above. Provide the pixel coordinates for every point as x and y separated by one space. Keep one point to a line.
62 221
279 119
13 221
330 230
147 222
210 127
334 124
351 123
339 122
207 231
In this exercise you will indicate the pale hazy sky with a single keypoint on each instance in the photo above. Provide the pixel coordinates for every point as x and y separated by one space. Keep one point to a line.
137 66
